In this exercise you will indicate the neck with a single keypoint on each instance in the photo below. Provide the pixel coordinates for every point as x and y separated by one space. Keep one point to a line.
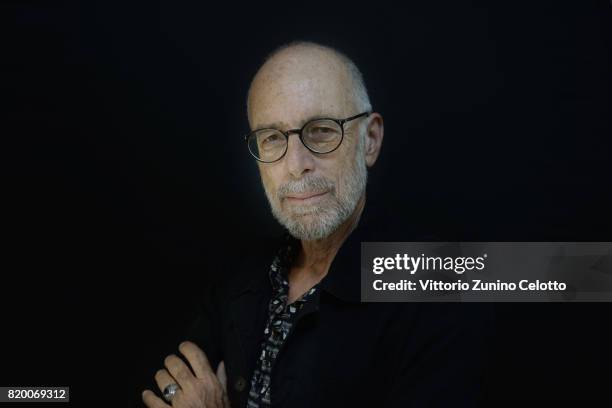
316 256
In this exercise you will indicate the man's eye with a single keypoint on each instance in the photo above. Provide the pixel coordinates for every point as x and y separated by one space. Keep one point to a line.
271 141
271 138
323 129
323 134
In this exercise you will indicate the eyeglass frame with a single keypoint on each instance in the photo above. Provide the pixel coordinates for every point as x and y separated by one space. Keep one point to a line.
299 132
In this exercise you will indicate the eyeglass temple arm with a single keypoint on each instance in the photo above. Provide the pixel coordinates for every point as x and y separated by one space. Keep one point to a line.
297 131
356 116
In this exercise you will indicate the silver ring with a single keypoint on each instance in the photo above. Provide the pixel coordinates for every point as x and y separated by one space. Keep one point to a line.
170 391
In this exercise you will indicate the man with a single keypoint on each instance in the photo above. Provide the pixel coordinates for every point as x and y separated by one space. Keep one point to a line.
288 328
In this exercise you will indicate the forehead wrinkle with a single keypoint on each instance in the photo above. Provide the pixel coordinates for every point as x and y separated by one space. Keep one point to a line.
281 125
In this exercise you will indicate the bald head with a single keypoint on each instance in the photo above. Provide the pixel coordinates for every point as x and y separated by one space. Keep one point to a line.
305 79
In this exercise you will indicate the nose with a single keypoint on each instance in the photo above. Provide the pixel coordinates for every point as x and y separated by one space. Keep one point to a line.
298 159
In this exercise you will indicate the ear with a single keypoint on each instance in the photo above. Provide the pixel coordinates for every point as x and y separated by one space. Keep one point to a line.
374 138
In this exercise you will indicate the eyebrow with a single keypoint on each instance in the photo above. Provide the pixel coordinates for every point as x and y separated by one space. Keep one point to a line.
280 125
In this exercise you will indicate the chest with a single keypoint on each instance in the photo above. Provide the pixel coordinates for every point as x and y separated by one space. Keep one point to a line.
332 354
329 354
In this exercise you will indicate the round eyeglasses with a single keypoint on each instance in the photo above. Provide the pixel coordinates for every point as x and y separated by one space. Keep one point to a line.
322 135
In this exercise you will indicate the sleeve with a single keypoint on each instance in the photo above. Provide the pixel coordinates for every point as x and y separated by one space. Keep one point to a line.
449 365
205 329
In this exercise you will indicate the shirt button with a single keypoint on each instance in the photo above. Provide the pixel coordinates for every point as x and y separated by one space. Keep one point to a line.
240 384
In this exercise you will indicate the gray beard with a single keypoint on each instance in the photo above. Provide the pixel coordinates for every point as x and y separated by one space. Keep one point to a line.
319 221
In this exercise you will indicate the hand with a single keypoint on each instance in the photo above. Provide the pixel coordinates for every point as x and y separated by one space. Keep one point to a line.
199 386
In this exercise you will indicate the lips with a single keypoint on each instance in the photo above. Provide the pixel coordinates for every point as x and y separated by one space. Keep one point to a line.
304 196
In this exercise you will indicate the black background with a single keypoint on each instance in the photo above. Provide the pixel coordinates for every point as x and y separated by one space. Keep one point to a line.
126 176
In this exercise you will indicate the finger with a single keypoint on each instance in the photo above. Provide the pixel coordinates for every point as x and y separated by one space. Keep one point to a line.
153 401
179 370
222 376
163 379
226 401
197 359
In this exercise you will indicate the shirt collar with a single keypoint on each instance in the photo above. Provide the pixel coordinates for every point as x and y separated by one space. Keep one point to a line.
279 269
343 279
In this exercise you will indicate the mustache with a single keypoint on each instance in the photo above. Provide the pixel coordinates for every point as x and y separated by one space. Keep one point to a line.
309 184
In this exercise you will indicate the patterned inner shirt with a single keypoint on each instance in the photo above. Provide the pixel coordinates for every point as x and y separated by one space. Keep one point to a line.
281 318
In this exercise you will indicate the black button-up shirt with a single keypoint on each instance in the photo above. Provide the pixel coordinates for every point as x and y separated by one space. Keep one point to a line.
342 352
279 324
